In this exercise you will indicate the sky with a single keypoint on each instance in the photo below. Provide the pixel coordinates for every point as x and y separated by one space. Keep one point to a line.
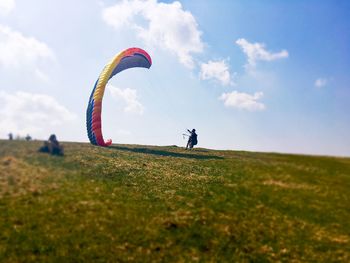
269 76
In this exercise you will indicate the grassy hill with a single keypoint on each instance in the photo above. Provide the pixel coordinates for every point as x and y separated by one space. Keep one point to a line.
143 203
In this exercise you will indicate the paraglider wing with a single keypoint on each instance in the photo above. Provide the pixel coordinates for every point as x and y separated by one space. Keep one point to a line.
129 58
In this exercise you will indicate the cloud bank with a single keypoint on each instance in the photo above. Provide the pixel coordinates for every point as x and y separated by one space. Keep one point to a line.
163 25
18 52
23 112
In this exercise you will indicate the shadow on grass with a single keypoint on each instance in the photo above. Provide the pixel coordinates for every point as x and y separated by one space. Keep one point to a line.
165 153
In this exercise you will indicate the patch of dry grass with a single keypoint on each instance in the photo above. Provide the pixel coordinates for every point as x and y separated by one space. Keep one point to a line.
19 178
289 185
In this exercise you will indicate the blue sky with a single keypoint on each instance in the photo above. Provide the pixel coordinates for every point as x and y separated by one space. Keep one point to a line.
248 75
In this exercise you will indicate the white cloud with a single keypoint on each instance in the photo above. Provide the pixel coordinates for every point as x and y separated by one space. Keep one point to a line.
218 70
243 101
257 51
162 25
129 96
23 112
6 6
321 82
20 52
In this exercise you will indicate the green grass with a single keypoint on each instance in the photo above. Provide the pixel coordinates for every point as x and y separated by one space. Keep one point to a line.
165 204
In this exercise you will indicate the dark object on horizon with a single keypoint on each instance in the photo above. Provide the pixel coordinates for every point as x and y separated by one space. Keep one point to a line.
10 136
192 140
52 146
28 137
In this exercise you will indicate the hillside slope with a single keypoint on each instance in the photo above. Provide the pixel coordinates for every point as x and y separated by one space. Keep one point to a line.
143 203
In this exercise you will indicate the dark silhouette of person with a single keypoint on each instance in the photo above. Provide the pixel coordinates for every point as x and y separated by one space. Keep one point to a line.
10 136
28 137
52 146
192 140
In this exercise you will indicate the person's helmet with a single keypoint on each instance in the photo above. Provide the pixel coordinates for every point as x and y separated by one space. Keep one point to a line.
194 130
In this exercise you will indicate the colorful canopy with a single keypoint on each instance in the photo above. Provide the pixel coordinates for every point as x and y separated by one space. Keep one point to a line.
129 58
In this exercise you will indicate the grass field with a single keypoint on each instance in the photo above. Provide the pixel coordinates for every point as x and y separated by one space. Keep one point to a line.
165 204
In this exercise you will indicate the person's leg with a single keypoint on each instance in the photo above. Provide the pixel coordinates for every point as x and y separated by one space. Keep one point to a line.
61 150
50 147
45 148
